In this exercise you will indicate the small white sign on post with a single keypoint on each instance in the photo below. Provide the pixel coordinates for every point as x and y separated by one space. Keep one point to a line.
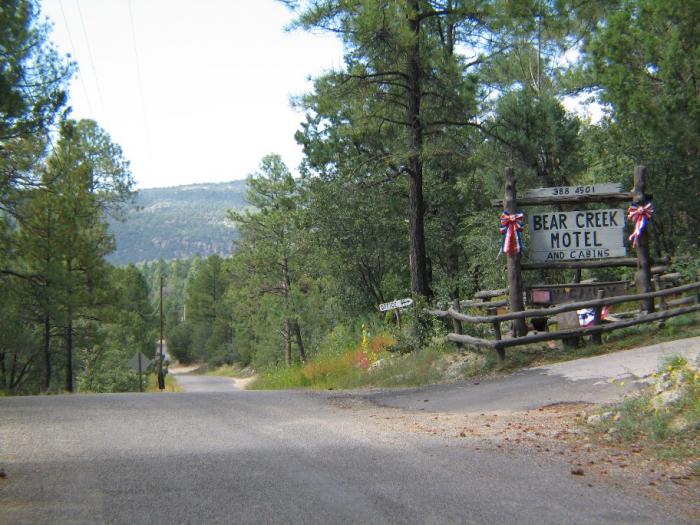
393 305
574 235
571 191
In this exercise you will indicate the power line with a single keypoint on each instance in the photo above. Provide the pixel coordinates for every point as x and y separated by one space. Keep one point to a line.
140 82
72 45
92 62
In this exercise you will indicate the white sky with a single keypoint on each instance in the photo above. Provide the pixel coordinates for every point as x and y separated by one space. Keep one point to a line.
216 78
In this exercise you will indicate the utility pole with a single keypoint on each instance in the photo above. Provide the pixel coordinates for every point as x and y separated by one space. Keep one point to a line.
161 379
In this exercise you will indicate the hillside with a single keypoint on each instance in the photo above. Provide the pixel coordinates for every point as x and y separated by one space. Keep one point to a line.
178 221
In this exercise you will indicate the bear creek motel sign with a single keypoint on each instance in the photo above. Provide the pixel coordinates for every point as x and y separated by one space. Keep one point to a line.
574 235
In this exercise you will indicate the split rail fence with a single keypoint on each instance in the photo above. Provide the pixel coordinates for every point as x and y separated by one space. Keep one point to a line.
683 304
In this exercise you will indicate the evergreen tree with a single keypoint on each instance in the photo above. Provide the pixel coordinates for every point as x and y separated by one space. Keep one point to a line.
272 244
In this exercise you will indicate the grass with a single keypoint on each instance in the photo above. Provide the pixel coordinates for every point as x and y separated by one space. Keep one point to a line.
343 369
171 384
672 431
352 369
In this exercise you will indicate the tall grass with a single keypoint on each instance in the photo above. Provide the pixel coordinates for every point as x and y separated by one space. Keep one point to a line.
352 369
171 384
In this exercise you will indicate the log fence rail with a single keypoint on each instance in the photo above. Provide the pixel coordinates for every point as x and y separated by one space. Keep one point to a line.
667 309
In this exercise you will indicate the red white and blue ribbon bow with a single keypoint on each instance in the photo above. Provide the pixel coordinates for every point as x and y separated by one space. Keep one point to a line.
641 215
511 229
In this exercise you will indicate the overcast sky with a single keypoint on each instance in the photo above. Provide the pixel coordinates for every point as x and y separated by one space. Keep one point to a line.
193 91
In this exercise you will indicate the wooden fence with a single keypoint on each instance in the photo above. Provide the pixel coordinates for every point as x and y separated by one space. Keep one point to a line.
665 309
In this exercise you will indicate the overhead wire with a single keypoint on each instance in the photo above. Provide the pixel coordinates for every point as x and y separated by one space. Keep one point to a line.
92 64
140 83
73 48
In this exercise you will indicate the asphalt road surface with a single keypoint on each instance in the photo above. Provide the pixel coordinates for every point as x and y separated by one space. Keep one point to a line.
598 379
272 457
202 383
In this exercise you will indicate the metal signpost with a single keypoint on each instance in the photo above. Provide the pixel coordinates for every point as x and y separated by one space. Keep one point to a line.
139 363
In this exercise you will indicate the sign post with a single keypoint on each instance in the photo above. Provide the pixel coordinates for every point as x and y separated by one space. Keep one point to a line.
643 277
515 281
139 363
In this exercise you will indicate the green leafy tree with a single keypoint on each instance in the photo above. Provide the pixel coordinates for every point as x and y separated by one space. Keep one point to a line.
646 59
33 78
272 245
208 314
402 79
63 236
128 326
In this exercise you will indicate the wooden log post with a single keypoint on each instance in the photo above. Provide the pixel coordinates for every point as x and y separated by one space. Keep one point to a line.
515 280
496 325
662 299
597 337
497 331
643 276
456 323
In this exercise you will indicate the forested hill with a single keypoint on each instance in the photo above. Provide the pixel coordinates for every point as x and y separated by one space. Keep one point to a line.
178 221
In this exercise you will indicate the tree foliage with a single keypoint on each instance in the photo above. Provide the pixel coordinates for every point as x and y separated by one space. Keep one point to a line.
404 147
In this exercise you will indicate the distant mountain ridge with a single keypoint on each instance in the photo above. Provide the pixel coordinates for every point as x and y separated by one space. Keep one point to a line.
179 221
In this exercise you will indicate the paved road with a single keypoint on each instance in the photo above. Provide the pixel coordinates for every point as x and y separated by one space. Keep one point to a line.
584 380
201 383
272 457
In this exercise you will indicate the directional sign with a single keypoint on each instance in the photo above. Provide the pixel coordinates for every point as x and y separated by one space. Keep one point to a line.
573 235
393 305
134 362
563 191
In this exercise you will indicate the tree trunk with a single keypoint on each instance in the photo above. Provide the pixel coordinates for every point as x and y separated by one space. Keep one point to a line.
47 354
287 333
13 371
416 206
300 342
287 330
3 371
68 338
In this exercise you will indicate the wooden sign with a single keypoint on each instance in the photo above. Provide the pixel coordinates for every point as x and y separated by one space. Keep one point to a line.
574 235
562 191
549 294
393 305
